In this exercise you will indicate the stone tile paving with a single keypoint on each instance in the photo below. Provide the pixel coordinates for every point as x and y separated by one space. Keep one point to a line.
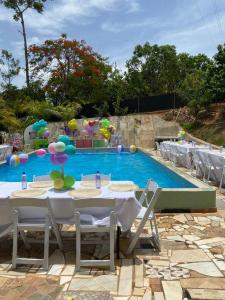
191 265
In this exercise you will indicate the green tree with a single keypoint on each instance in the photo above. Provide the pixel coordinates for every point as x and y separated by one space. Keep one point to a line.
9 68
20 7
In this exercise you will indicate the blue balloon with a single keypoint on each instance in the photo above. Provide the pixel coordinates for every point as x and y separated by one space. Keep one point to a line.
65 139
70 149
8 157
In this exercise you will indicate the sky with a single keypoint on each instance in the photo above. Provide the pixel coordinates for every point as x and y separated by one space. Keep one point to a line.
114 27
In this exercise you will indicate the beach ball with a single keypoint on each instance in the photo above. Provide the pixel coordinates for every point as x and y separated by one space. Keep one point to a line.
23 158
51 148
58 183
119 148
60 147
70 149
14 160
8 157
46 134
133 148
40 152
55 175
72 124
68 181
64 139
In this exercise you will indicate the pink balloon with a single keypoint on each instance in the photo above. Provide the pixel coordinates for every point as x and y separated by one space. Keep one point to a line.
59 158
46 134
40 152
23 158
90 129
51 148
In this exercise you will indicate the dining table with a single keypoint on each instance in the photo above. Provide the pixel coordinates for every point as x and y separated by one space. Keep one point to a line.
185 148
127 206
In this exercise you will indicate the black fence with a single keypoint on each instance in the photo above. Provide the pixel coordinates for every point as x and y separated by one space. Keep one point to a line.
138 105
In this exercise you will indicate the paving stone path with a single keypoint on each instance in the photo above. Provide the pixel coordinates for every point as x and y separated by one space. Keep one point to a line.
191 265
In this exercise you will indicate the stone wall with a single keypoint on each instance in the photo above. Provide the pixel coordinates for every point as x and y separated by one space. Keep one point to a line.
138 129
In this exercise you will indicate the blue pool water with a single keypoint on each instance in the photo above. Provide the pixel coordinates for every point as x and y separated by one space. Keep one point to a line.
137 167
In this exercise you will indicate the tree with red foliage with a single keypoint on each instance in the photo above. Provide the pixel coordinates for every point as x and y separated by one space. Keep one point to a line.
70 70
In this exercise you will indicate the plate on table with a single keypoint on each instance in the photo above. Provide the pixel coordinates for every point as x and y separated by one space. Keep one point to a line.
84 193
31 193
41 184
93 184
123 187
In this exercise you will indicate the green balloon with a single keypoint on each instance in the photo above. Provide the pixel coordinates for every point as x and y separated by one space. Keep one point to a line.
68 181
56 175
41 131
105 123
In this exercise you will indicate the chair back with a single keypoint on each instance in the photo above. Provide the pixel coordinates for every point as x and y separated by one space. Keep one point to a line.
29 202
94 202
5 211
91 177
150 187
157 146
41 178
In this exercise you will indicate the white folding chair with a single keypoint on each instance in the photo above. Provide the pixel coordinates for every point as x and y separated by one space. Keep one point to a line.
147 213
34 224
165 153
197 165
41 178
91 177
84 226
6 217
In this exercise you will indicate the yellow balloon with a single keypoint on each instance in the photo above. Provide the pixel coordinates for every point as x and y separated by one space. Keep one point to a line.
72 124
58 183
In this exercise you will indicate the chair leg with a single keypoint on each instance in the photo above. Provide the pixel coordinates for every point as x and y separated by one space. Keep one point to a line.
112 236
57 234
24 238
15 239
118 232
157 233
221 182
46 243
78 241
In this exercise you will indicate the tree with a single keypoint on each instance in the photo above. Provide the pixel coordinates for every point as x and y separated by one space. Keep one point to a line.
20 7
70 70
9 68
153 69
216 75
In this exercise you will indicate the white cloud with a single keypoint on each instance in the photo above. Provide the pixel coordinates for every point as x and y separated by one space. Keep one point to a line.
119 27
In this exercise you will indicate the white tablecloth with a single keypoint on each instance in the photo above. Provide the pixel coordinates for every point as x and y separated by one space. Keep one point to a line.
214 158
4 151
184 148
127 206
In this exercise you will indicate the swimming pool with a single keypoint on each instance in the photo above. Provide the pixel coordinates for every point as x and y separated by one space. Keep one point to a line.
138 167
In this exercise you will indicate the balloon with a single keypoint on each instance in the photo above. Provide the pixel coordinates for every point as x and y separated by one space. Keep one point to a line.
23 158
59 158
119 148
14 160
105 123
133 148
91 123
55 175
90 129
96 122
70 149
58 183
38 125
41 131
51 148
60 147
40 152
64 139
68 181
46 134
72 124
105 133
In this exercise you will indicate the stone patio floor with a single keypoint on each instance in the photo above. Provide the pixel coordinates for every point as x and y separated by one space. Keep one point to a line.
191 265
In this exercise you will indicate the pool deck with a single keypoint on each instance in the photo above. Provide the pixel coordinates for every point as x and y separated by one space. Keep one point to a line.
191 264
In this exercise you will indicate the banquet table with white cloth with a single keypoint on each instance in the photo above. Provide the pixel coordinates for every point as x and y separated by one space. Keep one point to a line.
183 148
127 206
215 158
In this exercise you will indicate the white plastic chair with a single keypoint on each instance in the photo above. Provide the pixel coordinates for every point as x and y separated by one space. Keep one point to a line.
91 225
165 153
41 224
221 178
91 177
41 178
147 213
6 217
197 165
